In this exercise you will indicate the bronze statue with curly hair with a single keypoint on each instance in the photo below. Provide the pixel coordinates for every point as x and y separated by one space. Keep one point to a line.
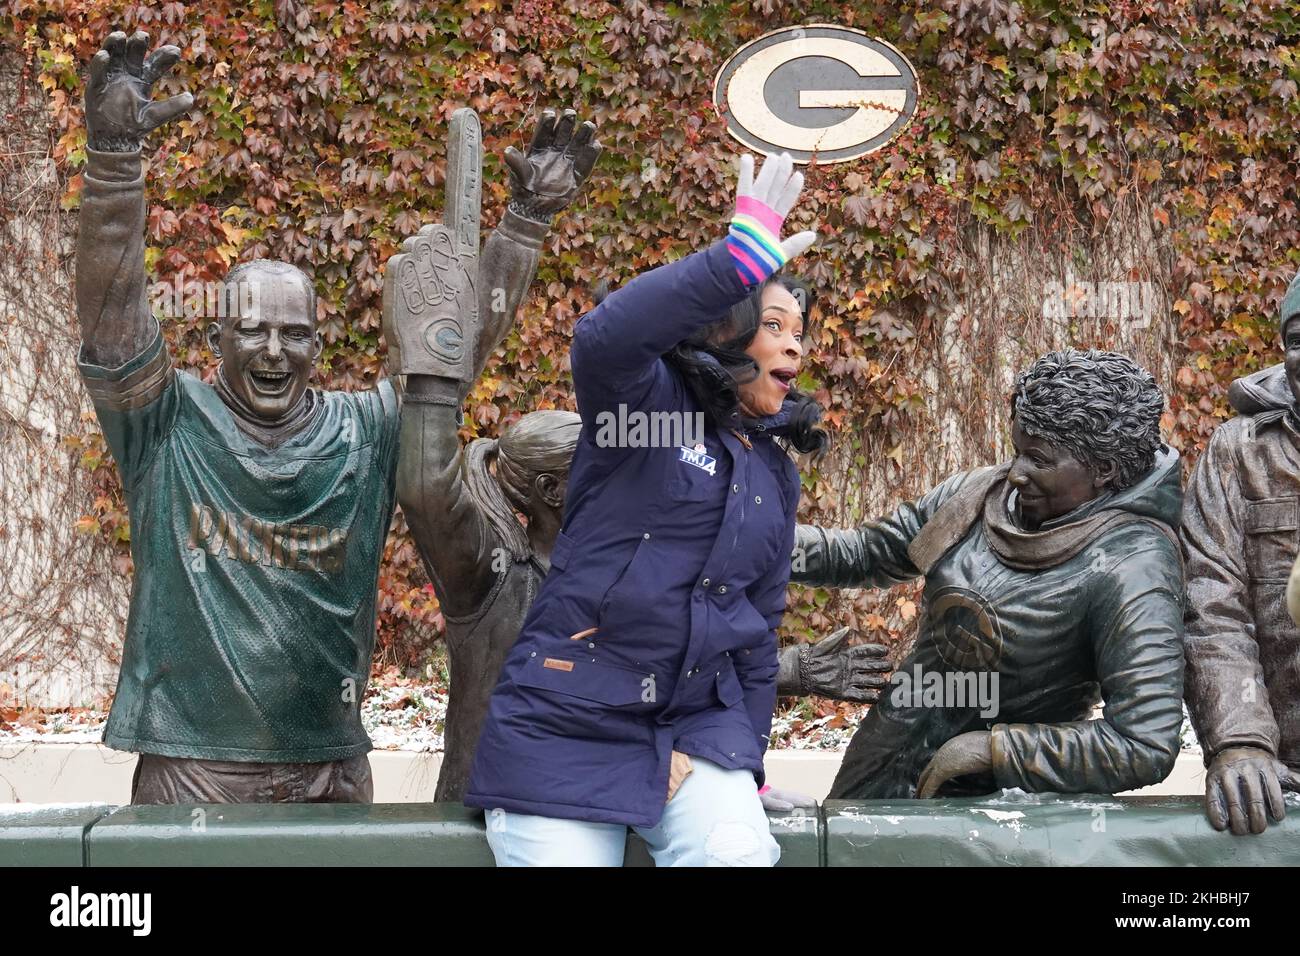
1052 583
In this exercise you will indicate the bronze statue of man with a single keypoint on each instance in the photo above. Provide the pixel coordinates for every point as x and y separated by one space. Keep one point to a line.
1052 582
258 505
1240 519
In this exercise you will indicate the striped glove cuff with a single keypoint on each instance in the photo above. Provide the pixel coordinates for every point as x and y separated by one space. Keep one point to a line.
754 241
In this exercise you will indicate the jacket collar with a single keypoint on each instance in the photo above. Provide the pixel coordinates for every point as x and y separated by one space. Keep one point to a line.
270 434
1265 394
777 424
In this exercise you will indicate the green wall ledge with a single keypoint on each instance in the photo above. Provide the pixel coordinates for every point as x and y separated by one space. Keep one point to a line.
1011 830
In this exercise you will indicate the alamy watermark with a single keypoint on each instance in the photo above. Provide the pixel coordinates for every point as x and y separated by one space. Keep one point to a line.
1123 301
947 689
190 298
75 908
634 428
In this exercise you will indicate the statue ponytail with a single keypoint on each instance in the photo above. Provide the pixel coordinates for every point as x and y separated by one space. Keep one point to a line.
491 500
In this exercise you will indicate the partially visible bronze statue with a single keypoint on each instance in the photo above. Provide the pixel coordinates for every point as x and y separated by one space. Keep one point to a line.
446 309
1239 534
1052 582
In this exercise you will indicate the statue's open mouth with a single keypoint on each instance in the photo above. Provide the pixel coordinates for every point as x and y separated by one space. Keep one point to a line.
270 383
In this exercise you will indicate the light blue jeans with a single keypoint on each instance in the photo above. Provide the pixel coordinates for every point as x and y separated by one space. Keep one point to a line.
714 819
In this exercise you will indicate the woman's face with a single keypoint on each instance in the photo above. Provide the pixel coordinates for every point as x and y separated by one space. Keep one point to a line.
1051 482
777 348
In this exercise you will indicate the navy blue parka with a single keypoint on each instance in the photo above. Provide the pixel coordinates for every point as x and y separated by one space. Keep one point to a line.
679 560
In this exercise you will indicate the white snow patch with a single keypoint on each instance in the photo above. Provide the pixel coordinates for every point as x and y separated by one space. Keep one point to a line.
1014 795
791 732
797 823
9 809
1010 818
408 717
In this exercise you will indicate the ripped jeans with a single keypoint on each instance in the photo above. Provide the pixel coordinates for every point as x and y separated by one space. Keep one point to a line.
714 819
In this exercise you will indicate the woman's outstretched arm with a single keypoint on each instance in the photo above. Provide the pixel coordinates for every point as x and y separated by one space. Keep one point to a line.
617 347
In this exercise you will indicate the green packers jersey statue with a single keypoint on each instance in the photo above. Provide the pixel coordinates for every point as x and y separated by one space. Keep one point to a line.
258 505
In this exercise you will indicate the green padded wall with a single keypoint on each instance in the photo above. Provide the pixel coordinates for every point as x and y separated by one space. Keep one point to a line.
322 834
1047 830
46 834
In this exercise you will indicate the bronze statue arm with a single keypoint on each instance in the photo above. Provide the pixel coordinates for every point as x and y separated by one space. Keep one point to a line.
506 270
1226 695
461 551
544 181
455 540
112 305
874 555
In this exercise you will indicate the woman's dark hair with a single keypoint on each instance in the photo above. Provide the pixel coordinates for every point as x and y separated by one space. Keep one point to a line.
714 383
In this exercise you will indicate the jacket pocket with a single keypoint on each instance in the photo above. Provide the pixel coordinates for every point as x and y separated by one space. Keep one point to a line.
705 691
589 680
611 592
1271 538
727 685
586 700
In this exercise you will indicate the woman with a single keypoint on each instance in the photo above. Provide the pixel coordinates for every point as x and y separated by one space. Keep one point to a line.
487 567
641 690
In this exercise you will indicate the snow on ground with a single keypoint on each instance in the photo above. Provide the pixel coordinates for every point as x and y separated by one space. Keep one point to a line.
830 732
398 714
405 716
82 726
403 713
14 809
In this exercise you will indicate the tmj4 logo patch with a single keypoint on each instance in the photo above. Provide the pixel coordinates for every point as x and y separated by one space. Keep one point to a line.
698 457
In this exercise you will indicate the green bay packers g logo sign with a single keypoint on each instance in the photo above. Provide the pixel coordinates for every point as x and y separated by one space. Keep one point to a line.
820 90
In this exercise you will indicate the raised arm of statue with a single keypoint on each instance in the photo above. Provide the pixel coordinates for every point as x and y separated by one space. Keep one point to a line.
543 182
432 319
116 324
446 308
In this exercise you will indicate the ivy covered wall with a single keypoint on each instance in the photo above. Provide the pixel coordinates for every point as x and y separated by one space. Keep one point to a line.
1113 141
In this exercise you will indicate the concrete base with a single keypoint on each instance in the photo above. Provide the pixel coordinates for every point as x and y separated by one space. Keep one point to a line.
91 773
